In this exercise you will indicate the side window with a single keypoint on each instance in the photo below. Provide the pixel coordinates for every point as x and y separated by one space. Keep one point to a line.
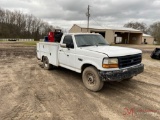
68 40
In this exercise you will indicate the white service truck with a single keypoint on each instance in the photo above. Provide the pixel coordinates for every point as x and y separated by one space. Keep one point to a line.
91 55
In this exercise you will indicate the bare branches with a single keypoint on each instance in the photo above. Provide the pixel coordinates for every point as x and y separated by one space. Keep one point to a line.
137 25
18 25
154 29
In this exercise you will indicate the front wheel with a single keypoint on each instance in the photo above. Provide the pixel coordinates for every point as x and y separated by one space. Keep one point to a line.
91 79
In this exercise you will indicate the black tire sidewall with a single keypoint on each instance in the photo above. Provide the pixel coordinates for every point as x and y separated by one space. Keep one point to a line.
128 79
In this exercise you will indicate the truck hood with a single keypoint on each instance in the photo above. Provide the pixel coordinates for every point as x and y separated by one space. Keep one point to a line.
113 51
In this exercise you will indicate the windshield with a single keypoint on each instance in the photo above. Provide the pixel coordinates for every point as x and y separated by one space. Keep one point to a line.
90 40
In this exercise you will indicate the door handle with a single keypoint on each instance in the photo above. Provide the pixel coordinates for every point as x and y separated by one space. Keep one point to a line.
67 55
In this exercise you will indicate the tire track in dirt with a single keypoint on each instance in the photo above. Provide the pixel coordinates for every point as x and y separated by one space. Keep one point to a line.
64 104
30 92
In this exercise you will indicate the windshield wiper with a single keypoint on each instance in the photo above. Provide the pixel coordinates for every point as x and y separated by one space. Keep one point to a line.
100 44
84 45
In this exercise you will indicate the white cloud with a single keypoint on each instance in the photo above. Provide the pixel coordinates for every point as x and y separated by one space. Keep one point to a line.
64 13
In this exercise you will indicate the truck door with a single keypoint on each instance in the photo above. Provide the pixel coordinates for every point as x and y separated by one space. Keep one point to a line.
67 56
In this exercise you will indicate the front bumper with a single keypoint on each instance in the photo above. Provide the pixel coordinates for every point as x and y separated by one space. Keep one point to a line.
121 74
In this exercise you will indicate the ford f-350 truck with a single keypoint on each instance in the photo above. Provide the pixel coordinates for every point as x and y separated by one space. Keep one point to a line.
91 55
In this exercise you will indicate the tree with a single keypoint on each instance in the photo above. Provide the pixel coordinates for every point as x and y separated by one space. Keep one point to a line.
18 25
137 25
2 15
154 30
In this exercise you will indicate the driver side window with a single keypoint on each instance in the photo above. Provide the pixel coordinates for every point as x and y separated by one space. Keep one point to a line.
68 40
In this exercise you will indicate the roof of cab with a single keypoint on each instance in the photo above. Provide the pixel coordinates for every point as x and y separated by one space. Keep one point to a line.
81 34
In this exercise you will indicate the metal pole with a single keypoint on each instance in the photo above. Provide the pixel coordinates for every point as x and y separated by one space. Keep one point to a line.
88 15
128 37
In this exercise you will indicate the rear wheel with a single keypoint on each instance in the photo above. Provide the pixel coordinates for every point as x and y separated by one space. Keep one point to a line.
46 64
91 79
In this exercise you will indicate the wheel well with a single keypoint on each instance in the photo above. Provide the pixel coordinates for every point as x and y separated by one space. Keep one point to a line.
85 66
42 58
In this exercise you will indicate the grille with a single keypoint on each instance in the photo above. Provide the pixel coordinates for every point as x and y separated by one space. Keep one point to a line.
129 60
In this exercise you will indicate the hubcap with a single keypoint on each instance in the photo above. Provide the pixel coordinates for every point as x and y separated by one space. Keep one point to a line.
91 80
46 65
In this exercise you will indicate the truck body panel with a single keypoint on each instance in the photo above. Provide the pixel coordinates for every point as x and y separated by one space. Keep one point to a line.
118 51
50 50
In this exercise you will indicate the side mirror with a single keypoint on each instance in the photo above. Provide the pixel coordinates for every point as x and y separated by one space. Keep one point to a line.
63 45
69 45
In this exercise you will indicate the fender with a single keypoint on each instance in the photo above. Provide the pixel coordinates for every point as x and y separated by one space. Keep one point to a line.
88 62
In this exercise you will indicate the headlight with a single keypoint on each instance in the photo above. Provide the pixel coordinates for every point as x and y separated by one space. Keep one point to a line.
110 63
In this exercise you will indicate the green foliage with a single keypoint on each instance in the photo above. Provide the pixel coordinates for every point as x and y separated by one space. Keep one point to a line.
30 43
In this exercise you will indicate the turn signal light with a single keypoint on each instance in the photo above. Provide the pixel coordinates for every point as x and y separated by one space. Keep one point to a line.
110 65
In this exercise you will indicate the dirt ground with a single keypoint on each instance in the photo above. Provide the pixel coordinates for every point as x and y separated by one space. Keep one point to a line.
28 92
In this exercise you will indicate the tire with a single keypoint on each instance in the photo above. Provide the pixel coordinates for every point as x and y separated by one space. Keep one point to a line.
46 64
91 79
127 79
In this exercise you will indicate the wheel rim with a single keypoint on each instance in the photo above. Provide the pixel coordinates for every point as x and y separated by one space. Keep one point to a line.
90 79
45 63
